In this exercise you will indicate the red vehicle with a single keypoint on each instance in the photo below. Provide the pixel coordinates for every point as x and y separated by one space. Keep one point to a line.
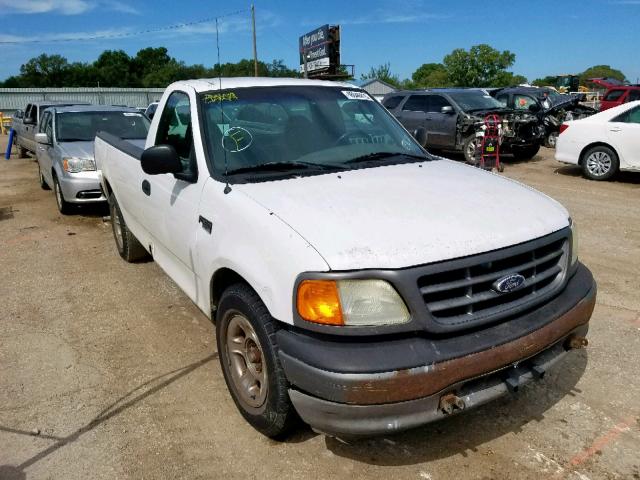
617 92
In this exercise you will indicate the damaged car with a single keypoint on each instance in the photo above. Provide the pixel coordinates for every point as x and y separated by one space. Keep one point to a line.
453 116
551 108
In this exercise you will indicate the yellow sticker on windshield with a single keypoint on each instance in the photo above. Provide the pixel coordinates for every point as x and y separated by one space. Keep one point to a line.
220 97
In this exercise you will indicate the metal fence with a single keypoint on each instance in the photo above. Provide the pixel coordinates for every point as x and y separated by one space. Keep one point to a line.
12 99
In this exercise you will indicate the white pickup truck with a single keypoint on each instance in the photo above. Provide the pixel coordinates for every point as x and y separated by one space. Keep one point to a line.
353 277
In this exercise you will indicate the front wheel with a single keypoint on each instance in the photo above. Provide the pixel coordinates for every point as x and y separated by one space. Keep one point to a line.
470 149
525 153
246 339
43 182
64 207
600 163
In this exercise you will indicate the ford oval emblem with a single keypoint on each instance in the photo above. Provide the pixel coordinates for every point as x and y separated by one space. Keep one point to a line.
509 283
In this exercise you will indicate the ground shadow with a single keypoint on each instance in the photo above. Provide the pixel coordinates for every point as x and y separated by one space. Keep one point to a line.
467 431
126 401
632 178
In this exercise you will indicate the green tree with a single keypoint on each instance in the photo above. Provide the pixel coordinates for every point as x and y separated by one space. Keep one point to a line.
429 75
548 81
114 69
277 68
480 66
508 79
44 71
382 72
600 71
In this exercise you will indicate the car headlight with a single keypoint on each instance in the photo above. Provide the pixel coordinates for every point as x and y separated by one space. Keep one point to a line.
351 303
75 164
574 243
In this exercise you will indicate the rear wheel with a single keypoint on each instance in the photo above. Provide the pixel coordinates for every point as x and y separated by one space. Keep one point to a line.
600 163
63 206
129 248
525 153
246 338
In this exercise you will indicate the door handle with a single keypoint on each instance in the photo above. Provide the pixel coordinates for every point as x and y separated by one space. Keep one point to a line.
206 224
146 187
615 129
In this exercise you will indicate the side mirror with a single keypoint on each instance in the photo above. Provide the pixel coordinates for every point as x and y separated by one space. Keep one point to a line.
42 139
160 159
420 134
534 108
29 121
447 110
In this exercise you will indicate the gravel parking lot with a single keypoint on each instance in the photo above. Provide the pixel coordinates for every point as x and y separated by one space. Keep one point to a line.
108 371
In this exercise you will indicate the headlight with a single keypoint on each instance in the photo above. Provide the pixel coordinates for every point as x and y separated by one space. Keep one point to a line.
574 243
351 303
75 164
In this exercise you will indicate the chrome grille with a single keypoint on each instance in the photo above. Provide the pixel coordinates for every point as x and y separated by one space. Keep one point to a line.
465 293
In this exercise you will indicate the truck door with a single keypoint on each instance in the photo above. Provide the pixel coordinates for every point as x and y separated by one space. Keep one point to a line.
413 113
172 200
441 125
29 126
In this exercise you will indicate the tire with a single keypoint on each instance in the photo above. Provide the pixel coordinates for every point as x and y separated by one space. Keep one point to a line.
525 153
22 152
243 322
469 149
43 182
600 163
551 140
64 207
128 246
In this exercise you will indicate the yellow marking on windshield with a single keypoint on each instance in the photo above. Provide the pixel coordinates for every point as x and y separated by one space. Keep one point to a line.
220 97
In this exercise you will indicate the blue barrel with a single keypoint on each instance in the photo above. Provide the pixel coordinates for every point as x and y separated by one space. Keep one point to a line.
12 134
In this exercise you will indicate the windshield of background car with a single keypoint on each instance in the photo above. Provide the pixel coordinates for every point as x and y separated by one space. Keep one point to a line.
306 125
83 126
475 100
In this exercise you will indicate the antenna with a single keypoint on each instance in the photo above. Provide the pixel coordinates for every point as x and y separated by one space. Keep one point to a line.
227 187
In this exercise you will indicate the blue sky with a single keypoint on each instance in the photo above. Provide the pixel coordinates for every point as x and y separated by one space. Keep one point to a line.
548 37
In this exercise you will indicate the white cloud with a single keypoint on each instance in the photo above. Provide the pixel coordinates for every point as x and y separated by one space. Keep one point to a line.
65 7
121 7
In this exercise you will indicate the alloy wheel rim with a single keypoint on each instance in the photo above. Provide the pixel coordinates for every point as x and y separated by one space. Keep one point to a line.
599 163
117 228
471 150
58 194
245 359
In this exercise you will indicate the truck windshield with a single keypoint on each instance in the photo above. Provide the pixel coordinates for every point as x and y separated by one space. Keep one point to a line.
475 100
266 130
83 126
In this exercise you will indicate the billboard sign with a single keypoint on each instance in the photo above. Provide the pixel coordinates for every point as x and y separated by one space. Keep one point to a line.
315 46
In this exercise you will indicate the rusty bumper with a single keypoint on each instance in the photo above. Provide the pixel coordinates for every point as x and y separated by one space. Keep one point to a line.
315 390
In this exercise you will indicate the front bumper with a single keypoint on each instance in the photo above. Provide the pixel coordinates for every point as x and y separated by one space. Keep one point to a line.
82 187
353 401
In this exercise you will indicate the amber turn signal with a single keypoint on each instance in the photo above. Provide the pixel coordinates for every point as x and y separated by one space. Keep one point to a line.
318 301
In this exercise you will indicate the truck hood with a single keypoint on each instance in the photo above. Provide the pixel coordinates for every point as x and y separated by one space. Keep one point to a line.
409 214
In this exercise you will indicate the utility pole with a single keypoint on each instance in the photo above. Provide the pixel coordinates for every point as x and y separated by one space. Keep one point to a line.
255 48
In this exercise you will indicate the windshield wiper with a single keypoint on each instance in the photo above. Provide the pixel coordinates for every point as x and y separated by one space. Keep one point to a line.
381 155
283 167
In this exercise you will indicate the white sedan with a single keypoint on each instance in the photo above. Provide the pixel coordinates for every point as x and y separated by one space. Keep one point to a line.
604 143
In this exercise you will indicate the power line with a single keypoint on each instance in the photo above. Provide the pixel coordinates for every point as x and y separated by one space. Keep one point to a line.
176 26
